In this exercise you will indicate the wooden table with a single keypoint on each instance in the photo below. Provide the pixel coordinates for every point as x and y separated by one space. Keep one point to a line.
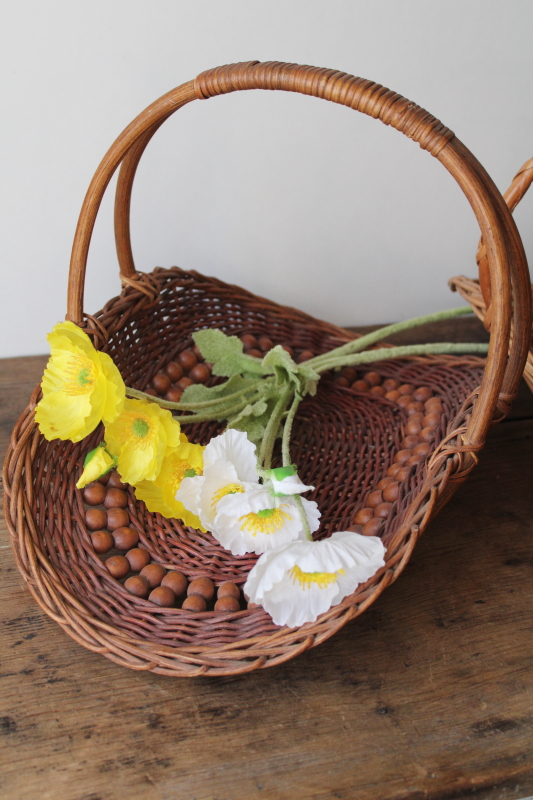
429 694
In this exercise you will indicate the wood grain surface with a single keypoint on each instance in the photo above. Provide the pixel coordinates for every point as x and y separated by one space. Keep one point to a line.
429 694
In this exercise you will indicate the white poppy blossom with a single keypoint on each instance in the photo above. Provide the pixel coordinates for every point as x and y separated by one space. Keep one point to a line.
255 521
297 582
285 481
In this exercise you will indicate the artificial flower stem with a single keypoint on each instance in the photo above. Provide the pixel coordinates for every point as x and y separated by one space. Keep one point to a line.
271 432
287 431
406 351
205 405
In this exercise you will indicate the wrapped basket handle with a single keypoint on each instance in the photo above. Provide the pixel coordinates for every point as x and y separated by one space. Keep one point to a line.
506 259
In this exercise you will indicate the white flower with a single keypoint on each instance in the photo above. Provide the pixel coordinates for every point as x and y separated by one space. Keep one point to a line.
285 481
255 521
300 580
230 466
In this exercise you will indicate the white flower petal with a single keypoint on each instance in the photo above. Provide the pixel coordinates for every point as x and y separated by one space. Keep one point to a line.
312 513
189 493
235 447
290 485
219 479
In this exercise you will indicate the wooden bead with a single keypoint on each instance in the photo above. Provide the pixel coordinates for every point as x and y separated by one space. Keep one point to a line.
161 383
174 371
194 602
402 456
228 589
115 498
406 388
422 394
393 395
390 493
432 401
384 482
125 538
426 435
152 392
94 493
138 558
254 352
410 441
228 604
361 386
200 373
174 395
389 384
349 372
363 515
431 421
305 355
162 596
202 586
403 473
115 481
103 479
355 528
197 352
372 527
117 518
95 519
154 574
415 460
249 341
383 510
392 470
176 581
378 390
102 541
413 427
373 378
288 349
117 566
404 400
138 586
374 499
183 383
424 448
265 343
187 360
342 381
414 408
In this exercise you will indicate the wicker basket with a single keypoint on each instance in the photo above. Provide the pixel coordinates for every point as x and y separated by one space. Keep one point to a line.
478 292
344 441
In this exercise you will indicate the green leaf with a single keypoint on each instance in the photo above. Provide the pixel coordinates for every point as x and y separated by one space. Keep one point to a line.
225 353
198 393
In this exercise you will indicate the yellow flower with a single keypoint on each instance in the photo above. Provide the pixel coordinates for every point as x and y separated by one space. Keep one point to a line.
140 438
160 495
96 464
81 386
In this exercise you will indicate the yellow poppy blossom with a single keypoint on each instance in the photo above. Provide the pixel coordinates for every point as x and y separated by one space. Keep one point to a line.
140 438
97 463
81 386
160 495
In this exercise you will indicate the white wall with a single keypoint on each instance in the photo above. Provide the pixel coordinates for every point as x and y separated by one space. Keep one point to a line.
301 200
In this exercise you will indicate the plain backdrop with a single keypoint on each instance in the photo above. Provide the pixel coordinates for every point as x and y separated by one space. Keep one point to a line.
297 199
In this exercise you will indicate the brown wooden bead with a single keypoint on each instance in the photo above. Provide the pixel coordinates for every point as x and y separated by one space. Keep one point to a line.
393 395
94 493
161 383
288 349
433 402
374 499
402 456
342 381
102 541
422 394
115 498
187 360
117 566
265 343
431 421
227 603
416 459
417 416
138 586
305 355
174 395
404 400
152 392
355 528
384 482
202 586
392 470
427 434
176 581
115 481
249 341
162 596
373 378
350 373
154 574
200 373
138 558
403 473
125 538
254 352
410 441
103 479
390 493
117 518
383 510
424 448
228 589
390 385
95 519
363 515
194 602
183 383
174 371
414 408
197 352
406 388
413 427
372 527
378 390
361 386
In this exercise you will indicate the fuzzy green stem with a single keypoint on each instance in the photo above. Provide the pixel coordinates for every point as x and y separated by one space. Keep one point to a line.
287 431
204 405
406 351
267 445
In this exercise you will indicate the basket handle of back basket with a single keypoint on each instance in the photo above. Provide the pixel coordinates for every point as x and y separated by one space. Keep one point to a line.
519 186
506 259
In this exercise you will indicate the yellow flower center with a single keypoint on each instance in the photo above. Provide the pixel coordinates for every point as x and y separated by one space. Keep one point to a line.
140 427
322 579
135 428
268 520
231 488
180 470
79 376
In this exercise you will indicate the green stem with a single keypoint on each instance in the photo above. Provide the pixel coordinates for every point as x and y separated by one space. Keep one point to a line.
287 431
267 445
406 351
204 405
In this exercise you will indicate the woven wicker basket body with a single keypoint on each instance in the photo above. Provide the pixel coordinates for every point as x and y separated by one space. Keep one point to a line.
478 291
343 441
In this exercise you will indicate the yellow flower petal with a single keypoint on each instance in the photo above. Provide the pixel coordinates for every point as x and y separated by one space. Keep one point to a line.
100 463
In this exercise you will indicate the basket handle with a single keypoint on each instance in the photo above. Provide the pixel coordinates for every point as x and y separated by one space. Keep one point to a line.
519 186
507 263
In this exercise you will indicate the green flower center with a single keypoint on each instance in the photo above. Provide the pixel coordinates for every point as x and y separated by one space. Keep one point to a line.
83 377
140 427
266 513
190 473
